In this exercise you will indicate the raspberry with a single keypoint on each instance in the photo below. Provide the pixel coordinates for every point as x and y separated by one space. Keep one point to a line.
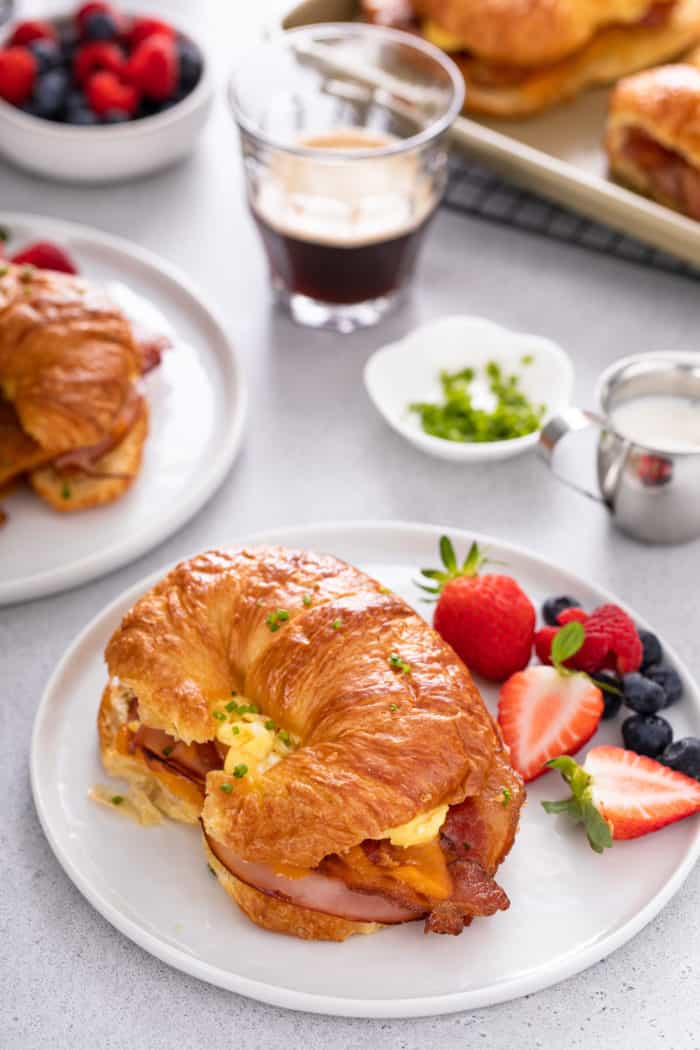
85 10
589 658
623 645
32 29
543 643
98 56
105 91
18 68
141 28
574 614
154 67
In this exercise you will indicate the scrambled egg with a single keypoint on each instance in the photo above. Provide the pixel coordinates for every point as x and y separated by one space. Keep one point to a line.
441 38
253 740
423 828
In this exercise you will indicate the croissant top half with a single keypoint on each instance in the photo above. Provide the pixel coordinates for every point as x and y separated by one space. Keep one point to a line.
68 360
379 743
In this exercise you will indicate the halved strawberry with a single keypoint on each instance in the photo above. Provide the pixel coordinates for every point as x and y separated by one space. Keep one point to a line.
31 29
543 713
619 795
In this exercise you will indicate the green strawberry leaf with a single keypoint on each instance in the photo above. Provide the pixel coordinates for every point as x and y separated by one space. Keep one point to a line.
580 806
447 553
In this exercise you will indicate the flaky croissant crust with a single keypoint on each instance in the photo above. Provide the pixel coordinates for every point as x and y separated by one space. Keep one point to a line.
378 745
529 32
67 357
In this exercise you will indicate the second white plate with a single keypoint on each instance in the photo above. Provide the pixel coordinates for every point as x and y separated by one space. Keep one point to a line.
569 906
197 399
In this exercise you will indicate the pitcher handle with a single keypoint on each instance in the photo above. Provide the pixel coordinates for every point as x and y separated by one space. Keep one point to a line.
569 420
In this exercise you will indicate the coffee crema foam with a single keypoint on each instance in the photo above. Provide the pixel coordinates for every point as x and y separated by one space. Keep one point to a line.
345 202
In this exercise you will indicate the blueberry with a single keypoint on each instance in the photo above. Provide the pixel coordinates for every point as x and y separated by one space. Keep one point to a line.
80 113
611 700
168 103
47 54
190 60
642 695
668 679
115 116
652 653
684 756
646 734
100 26
50 93
553 606
68 42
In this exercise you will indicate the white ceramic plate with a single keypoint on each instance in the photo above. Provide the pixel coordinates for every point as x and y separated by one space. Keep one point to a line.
197 399
409 371
570 907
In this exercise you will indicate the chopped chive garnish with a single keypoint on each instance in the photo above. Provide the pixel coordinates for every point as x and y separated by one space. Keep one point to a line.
235 730
239 771
218 715
505 797
284 736
117 800
231 706
274 619
65 491
393 707
398 664
307 600
269 724
168 750
228 788
254 709
337 624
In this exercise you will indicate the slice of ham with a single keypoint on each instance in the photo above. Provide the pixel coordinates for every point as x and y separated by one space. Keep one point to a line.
193 761
670 175
316 891
151 349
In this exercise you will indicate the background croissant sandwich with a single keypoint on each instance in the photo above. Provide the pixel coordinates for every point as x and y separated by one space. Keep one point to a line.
521 56
653 134
349 772
73 418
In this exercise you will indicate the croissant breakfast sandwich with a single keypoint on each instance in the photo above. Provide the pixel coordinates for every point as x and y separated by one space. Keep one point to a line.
653 134
345 770
521 56
73 418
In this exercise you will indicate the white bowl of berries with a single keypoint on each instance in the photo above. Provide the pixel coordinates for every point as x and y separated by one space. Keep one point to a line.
99 95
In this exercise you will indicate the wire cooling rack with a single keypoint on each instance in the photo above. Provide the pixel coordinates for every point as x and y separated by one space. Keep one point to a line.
476 191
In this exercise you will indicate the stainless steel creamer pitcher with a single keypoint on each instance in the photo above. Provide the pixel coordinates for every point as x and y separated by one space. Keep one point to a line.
651 489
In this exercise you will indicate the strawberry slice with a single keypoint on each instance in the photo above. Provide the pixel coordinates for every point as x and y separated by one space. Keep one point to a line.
543 713
619 795
45 256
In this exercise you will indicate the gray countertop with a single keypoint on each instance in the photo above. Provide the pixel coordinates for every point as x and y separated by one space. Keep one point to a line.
316 450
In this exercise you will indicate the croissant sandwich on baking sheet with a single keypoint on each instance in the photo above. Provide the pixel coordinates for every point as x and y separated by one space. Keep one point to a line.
653 134
73 418
521 56
345 768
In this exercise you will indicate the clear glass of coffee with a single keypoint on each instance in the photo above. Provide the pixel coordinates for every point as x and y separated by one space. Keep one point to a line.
342 128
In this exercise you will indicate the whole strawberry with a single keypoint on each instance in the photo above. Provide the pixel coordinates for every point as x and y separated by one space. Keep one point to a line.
488 620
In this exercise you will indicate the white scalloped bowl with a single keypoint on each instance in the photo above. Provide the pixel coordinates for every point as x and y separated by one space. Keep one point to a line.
409 371
107 153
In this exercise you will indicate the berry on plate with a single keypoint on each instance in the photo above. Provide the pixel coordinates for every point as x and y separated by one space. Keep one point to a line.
154 66
31 29
642 695
551 608
488 620
611 686
646 734
652 653
100 25
45 256
611 640
105 92
544 712
684 756
18 68
668 679
50 93
619 795
47 54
